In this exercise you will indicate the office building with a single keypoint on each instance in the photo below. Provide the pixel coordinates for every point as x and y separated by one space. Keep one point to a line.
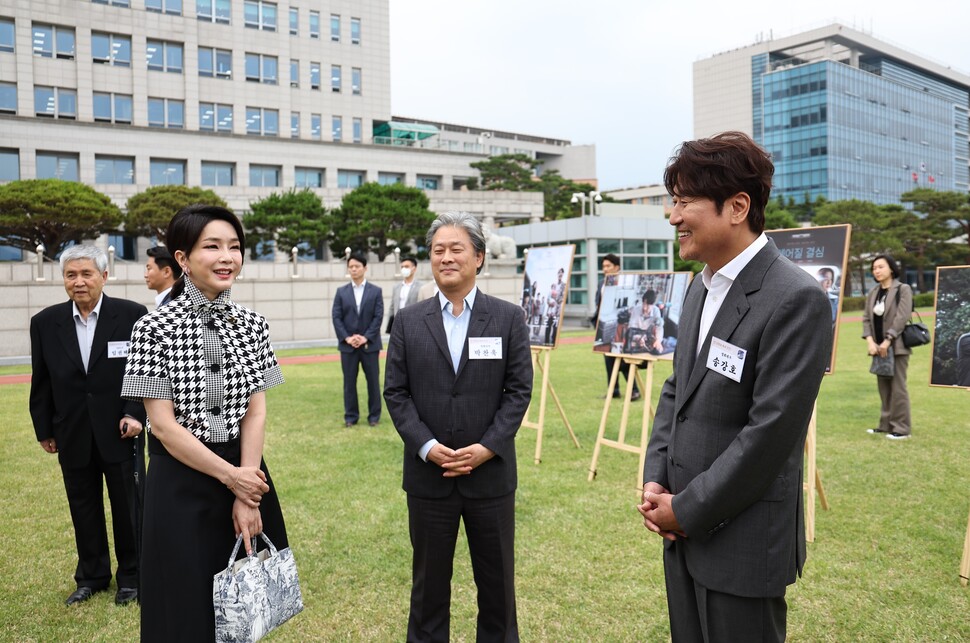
244 97
844 115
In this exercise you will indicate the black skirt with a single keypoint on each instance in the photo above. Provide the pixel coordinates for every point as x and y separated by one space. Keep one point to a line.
186 539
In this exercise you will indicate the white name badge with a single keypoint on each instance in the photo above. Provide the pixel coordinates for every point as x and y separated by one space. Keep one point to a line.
484 348
118 349
726 359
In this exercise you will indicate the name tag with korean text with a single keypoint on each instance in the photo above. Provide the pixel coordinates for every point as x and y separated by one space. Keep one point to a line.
118 349
484 348
726 359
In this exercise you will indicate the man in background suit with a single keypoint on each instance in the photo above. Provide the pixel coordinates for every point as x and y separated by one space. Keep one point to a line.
161 272
358 309
458 382
405 292
723 472
78 353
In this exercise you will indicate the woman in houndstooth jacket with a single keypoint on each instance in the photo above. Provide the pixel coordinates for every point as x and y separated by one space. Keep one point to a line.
202 365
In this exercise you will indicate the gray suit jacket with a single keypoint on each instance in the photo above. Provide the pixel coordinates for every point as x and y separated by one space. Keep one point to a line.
732 452
396 295
894 318
484 402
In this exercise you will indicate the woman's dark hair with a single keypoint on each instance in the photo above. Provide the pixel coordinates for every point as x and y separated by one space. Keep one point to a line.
719 167
186 227
893 266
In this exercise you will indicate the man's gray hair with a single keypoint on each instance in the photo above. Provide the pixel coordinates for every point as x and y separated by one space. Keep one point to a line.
467 222
93 253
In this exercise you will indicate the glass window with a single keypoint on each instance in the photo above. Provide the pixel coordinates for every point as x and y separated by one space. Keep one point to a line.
657 263
264 122
114 169
214 117
633 263
166 112
355 80
167 172
215 63
51 41
294 124
349 178
314 75
294 73
7 34
334 27
314 24
173 7
55 102
294 21
355 31
316 127
57 165
9 165
267 176
260 15
335 78
607 246
389 178
336 129
111 49
115 3
220 174
261 69
657 247
8 98
214 10
633 246
112 108
358 130
309 177
425 182
164 56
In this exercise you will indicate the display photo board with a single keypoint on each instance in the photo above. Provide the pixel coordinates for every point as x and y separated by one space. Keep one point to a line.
545 289
822 252
640 312
951 333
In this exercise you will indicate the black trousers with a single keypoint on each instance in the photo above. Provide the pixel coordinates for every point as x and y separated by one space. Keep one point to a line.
624 370
701 615
85 497
490 529
351 363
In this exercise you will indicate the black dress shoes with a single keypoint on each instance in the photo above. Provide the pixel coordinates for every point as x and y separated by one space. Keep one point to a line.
80 595
635 396
126 595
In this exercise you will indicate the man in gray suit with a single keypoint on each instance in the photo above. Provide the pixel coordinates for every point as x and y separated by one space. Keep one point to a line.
723 472
406 291
458 380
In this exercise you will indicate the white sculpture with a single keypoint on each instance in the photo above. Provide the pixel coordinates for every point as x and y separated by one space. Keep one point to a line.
499 247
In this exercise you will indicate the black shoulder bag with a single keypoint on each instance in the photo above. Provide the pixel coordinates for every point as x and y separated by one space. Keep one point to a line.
914 334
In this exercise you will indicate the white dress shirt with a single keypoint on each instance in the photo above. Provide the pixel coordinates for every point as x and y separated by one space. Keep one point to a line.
85 330
358 292
719 283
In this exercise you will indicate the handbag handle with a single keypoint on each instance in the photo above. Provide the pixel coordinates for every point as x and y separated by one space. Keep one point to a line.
235 550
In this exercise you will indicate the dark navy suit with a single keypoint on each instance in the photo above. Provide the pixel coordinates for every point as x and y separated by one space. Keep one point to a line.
347 321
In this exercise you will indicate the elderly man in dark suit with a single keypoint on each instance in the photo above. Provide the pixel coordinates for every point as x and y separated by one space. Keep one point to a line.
723 472
358 309
78 353
458 382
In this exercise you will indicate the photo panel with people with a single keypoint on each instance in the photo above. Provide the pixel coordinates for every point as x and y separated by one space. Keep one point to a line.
640 313
545 290
822 252
951 333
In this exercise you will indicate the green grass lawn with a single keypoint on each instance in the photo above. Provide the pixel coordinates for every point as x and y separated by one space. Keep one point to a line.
883 567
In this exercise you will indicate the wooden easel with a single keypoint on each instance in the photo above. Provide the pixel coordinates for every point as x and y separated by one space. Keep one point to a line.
813 479
965 562
646 389
542 365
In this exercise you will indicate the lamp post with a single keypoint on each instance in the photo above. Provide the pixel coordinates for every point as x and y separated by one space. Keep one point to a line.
346 259
295 253
111 263
592 198
40 262
397 261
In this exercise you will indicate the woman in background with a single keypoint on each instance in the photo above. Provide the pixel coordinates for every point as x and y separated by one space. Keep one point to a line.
888 307
202 365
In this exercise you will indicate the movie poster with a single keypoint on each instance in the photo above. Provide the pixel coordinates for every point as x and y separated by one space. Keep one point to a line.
545 289
822 252
640 312
951 332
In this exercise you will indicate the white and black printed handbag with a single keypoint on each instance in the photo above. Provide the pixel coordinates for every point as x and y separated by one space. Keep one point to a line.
255 594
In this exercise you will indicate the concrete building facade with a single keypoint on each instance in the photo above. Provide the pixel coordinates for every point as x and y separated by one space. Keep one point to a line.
844 115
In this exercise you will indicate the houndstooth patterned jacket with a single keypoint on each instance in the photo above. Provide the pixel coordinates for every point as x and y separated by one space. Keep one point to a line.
208 357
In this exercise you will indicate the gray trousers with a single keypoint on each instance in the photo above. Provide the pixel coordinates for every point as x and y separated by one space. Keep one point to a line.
894 416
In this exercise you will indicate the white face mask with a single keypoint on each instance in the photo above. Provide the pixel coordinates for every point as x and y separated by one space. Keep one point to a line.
405 272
